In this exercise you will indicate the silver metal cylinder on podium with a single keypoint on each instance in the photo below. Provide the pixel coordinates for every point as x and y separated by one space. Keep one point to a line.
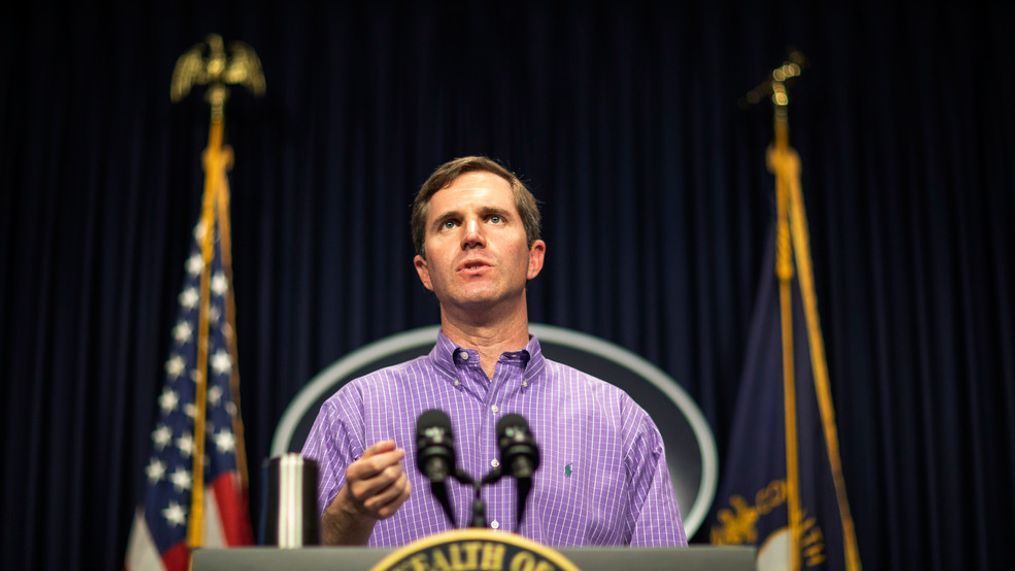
290 518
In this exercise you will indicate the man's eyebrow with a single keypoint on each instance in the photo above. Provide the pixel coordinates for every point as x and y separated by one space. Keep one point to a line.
440 218
493 210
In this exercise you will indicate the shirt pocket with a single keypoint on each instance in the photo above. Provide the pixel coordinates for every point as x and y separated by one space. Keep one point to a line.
581 498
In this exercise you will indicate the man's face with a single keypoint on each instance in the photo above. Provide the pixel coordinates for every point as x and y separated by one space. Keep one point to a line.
476 249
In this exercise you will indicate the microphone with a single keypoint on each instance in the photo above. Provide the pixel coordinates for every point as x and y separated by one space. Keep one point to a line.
519 455
518 450
435 455
435 445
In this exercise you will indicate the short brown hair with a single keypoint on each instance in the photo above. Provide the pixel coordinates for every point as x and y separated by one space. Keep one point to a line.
448 172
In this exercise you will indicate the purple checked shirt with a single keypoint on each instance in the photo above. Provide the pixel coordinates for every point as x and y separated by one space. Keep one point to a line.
602 480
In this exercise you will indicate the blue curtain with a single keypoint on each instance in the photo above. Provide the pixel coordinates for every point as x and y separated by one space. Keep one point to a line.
623 118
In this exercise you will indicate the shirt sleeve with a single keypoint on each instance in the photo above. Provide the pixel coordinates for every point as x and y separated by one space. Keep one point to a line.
334 442
653 515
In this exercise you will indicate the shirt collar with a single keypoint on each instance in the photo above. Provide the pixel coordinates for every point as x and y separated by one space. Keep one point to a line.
536 360
446 354
443 355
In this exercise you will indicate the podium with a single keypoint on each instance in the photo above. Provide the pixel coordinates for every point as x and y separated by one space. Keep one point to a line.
590 559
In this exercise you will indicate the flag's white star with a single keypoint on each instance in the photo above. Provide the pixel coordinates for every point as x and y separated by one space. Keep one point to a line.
190 410
182 332
180 479
186 444
225 441
194 374
174 514
214 314
221 362
161 436
214 394
155 470
195 264
199 231
168 400
219 285
189 297
175 366
231 408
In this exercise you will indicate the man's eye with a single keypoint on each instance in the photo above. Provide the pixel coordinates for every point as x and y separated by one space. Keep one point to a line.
448 224
496 219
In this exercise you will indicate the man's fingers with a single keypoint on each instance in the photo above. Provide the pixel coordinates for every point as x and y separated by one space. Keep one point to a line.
383 497
363 489
365 468
377 479
391 507
379 447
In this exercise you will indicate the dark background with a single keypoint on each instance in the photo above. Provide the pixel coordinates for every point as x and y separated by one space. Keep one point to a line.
622 117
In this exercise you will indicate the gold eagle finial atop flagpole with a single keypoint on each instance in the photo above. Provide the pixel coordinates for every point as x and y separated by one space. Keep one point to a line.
776 82
208 64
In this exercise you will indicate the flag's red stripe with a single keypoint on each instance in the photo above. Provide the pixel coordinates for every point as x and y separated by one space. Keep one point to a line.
176 558
232 504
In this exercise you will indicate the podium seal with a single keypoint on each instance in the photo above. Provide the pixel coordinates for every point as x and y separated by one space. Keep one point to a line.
475 549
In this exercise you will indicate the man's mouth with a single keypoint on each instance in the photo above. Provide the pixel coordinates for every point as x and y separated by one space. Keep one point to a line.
473 266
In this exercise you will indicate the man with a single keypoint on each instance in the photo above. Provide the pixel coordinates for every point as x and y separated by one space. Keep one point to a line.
603 477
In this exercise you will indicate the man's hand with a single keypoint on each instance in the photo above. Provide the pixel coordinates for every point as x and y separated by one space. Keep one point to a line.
375 487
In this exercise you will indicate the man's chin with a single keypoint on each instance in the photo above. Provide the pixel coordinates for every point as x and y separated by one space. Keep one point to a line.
476 300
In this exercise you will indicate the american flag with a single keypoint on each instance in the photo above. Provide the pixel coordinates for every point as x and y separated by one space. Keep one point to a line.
158 538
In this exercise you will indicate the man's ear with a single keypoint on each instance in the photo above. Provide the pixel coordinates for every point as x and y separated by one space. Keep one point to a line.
537 251
423 271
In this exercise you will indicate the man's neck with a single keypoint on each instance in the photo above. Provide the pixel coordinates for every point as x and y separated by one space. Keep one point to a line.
490 334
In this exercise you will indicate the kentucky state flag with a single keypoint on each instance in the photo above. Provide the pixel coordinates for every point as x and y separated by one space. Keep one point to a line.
756 495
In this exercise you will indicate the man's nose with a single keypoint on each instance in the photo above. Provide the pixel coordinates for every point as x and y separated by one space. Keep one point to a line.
473 236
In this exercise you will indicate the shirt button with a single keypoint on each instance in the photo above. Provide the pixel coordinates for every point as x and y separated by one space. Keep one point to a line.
494 409
464 356
494 463
457 382
495 524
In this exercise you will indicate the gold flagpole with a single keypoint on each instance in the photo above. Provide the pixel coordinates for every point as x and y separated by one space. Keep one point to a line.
234 380
819 365
792 239
213 165
778 155
207 64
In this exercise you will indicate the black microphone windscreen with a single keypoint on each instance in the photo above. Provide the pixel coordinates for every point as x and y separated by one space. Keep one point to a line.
433 418
511 420
435 455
